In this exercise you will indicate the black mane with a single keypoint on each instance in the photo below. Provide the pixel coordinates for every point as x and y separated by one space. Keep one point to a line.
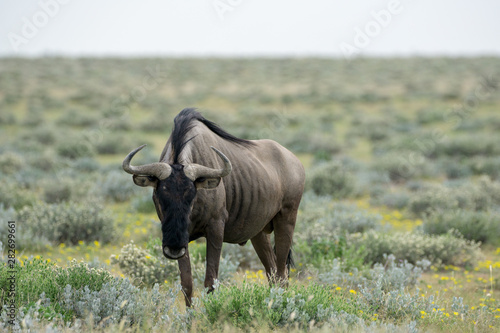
184 122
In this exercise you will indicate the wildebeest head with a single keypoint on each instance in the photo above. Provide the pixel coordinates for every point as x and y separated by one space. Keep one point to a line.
175 188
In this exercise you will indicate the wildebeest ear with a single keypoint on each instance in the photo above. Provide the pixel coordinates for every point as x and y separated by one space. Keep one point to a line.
144 181
207 183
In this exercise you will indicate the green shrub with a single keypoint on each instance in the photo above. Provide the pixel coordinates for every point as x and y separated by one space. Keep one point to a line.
149 266
455 170
113 143
432 199
74 148
489 166
394 200
144 267
10 163
469 145
331 179
448 249
13 195
45 135
34 116
323 218
429 116
120 302
158 122
117 186
388 275
47 292
85 164
375 129
440 198
477 226
322 225
143 204
75 117
251 305
402 166
68 222
7 118
57 191
489 189
38 277
25 239
46 162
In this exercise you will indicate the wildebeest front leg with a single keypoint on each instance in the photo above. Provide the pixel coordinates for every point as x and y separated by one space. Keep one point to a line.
186 277
214 247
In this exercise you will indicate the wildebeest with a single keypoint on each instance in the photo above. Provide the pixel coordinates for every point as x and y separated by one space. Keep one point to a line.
212 184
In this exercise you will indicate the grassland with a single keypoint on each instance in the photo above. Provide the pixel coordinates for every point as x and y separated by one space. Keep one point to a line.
399 228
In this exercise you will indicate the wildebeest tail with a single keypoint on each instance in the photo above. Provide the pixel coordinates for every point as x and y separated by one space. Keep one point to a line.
289 261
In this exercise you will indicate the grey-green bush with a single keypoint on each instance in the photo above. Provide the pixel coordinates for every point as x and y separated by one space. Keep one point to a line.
322 219
144 267
13 195
73 148
331 178
489 166
447 249
431 199
117 186
402 166
477 226
143 204
75 117
395 200
68 222
57 191
10 163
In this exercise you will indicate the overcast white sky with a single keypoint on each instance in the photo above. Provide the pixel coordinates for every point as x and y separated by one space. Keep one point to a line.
249 27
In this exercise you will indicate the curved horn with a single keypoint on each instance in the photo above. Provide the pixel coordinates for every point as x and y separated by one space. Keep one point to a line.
158 169
195 171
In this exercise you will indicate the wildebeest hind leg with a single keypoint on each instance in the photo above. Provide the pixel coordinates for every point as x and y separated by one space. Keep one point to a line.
186 277
262 245
284 224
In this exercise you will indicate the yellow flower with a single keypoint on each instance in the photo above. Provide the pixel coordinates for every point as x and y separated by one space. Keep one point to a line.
80 242
147 257
423 312
96 243
353 292
338 288
455 313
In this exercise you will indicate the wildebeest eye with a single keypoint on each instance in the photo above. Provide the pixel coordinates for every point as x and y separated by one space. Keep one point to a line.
200 180
151 178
